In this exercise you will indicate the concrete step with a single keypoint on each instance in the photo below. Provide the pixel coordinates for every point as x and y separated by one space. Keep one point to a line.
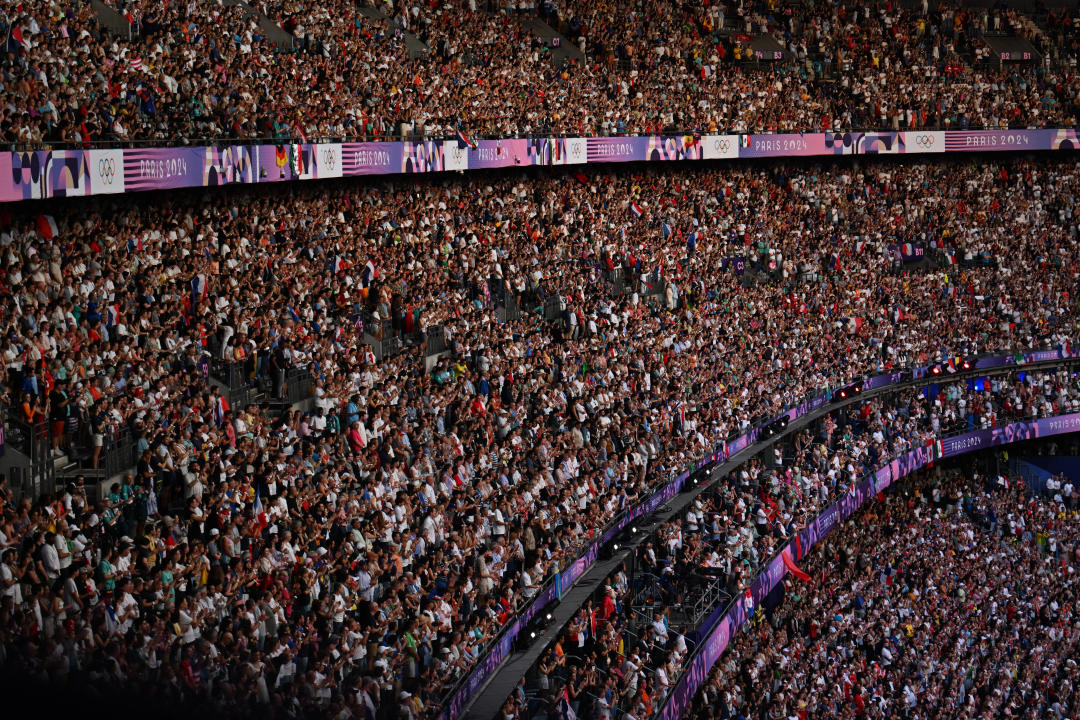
273 32
566 50
414 45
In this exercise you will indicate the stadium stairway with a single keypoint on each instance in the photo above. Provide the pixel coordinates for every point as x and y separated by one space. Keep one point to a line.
416 47
281 39
110 19
563 51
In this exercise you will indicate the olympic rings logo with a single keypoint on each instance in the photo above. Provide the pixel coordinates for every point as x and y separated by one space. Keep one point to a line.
329 159
924 141
107 170
575 149
722 144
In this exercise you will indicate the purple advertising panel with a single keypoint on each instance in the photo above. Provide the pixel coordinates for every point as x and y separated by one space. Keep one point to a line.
723 627
502 153
163 168
370 158
798 144
1013 432
39 174
421 157
993 140
653 148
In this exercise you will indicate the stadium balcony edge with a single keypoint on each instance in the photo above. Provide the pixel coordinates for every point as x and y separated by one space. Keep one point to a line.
36 174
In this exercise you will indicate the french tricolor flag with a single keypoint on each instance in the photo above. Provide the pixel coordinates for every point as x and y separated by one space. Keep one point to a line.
112 316
198 286
338 264
464 141
369 273
260 512
636 210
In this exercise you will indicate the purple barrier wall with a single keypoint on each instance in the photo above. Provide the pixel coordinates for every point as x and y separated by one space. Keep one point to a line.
37 174
725 624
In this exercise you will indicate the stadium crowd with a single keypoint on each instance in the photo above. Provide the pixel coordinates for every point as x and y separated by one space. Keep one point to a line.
358 558
199 69
955 598
731 532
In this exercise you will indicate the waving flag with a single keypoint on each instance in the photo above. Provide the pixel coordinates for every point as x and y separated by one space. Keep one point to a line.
464 141
260 512
112 316
198 286
369 273
338 264
636 210
793 568
46 227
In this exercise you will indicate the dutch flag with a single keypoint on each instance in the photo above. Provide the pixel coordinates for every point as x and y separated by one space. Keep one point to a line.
464 141
636 210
